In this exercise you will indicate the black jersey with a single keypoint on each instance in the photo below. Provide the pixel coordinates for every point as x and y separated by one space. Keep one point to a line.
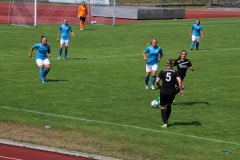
168 77
182 66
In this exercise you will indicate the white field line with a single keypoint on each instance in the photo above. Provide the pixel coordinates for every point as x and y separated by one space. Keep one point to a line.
9 158
126 55
121 125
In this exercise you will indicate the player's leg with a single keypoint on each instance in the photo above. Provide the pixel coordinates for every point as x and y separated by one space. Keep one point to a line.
193 41
148 70
80 23
83 21
60 49
163 103
47 64
66 49
154 73
41 69
197 42
169 107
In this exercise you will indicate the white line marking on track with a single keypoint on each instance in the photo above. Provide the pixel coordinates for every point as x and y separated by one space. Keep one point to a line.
121 125
10 158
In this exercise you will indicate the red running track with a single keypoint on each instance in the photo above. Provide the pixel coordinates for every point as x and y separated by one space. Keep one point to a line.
53 14
8 152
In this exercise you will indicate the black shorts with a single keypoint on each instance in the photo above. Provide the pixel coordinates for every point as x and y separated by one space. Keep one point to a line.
182 76
166 99
82 19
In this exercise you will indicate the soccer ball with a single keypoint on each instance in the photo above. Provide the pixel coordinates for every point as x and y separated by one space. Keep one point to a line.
154 104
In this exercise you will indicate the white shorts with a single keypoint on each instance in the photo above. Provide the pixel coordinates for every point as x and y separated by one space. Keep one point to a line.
41 62
150 68
65 42
196 38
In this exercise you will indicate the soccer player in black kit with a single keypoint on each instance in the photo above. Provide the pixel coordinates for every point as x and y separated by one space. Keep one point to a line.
168 90
182 65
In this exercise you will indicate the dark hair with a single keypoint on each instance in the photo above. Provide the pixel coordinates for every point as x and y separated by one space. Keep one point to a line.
42 38
181 53
198 20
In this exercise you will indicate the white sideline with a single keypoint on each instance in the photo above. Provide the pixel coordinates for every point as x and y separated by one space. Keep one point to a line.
122 125
54 150
9 158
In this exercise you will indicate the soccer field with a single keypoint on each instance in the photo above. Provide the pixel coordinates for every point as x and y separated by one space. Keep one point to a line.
95 101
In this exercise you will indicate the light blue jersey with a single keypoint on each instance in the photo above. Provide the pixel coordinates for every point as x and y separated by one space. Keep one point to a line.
153 54
65 31
196 29
42 50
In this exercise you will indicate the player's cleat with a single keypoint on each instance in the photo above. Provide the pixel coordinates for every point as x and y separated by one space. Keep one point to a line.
152 87
59 57
196 48
45 79
164 126
81 29
191 49
146 87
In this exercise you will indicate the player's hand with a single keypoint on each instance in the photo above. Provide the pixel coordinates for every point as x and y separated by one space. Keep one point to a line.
181 93
57 39
49 55
30 55
145 58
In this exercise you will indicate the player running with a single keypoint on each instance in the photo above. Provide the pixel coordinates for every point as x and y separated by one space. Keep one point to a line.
65 37
152 61
41 58
195 31
167 92
182 65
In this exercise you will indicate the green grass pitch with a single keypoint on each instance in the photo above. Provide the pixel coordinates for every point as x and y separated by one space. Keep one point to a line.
99 92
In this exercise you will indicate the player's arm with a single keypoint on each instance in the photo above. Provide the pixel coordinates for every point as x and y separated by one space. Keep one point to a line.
191 68
59 32
49 54
160 57
158 81
144 56
190 33
202 33
72 33
30 53
180 86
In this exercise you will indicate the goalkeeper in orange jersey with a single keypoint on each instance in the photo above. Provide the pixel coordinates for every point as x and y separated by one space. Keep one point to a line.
82 14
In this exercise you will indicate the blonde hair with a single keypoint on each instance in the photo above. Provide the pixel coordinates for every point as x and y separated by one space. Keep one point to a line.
150 43
169 62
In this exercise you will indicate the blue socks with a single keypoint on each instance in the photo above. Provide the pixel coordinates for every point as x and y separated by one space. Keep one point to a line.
60 52
192 45
146 80
65 54
46 71
153 80
41 72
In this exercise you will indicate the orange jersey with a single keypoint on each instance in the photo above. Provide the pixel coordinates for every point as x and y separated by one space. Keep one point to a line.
82 11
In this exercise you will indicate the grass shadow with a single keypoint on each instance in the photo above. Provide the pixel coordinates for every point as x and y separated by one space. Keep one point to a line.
56 80
190 103
77 58
194 123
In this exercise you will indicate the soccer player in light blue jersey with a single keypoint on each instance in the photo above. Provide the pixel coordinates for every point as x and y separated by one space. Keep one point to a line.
64 30
41 57
196 31
155 54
